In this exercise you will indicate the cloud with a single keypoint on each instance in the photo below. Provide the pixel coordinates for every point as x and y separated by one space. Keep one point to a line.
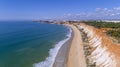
98 13
117 8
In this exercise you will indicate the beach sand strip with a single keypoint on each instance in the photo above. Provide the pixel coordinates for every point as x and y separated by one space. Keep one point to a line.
76 56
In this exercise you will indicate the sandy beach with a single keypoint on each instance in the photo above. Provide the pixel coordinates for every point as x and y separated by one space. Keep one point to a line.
71 53
76 57
61 58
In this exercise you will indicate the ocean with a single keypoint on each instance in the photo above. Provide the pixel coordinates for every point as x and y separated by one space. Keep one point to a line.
30 44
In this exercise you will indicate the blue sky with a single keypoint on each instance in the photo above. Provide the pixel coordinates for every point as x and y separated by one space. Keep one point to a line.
49 9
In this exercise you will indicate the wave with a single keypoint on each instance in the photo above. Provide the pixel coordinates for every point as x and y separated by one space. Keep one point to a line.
53 53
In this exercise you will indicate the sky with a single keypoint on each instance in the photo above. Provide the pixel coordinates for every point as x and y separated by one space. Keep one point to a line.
59 9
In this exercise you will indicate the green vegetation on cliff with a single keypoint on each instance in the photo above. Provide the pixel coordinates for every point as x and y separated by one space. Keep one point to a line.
114 33
104 24
115 28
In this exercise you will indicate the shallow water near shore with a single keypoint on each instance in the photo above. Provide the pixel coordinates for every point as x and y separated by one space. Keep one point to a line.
25 43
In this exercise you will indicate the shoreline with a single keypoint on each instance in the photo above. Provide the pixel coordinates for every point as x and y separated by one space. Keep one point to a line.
53 52
61 58
71 53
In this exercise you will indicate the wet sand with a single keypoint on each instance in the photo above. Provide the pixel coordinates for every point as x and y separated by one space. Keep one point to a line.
61 58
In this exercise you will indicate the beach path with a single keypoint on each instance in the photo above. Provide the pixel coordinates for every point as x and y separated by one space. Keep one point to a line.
76 57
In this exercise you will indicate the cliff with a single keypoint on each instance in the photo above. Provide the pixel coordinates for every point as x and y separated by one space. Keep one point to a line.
104 53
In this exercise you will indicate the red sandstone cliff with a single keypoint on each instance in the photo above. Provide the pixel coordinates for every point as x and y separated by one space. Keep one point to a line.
105 53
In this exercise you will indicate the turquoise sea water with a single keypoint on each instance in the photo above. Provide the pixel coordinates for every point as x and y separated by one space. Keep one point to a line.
24 43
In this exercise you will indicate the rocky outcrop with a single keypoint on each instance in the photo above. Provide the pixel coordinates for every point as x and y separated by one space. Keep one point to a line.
104 52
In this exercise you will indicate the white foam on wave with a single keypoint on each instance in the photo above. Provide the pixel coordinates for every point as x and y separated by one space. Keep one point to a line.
53 53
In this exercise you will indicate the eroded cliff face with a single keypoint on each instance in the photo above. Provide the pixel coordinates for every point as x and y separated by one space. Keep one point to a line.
105 53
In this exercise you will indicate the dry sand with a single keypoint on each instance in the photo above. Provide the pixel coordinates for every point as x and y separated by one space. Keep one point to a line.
76 57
